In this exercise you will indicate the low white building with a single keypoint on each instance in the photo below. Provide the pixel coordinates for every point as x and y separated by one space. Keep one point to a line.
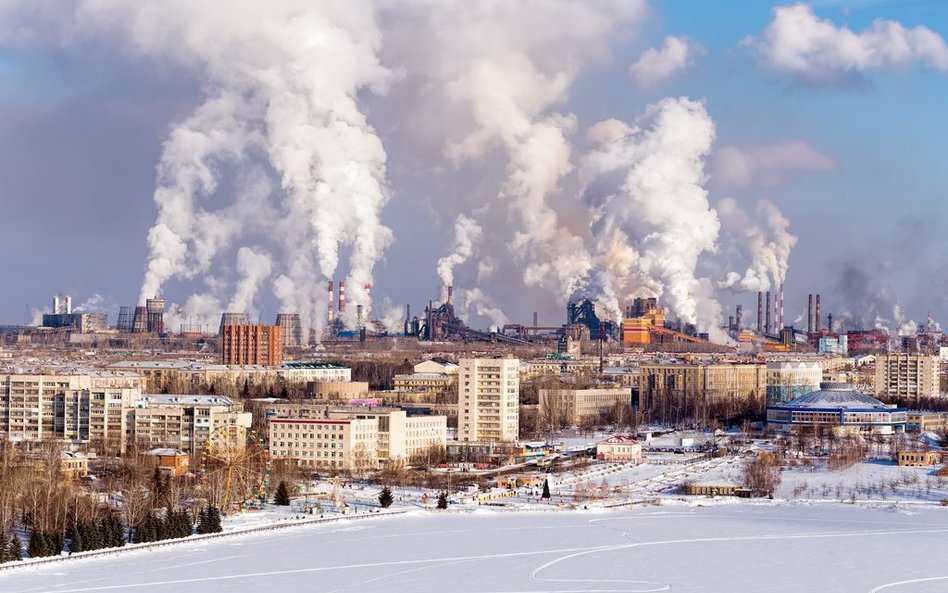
619 448
313 372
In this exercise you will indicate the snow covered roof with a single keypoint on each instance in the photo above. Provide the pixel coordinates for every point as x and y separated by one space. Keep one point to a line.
836 395
619 440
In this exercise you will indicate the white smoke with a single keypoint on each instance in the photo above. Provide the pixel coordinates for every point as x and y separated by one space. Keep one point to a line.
644 182
765 241
253 268
281 81
475 301
497 69
467 236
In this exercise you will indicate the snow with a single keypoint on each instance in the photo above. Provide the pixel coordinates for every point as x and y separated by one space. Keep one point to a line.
682 548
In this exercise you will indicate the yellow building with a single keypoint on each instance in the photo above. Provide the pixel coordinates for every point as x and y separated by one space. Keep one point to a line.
571 406
907 375
489 400
719 382
635 330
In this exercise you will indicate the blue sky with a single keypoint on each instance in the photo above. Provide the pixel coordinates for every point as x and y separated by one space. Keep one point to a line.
83 126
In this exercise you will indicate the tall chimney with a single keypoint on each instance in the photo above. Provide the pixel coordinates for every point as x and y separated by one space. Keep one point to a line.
329 307
760 312
450 295
56 310
780 319
359 310
809 314
730 323
368 294
829 322
817 326
536 320
342 297
767 323
739 317
68 304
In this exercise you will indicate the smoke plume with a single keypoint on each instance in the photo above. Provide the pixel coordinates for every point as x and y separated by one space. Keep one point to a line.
467 235
765 241
644 182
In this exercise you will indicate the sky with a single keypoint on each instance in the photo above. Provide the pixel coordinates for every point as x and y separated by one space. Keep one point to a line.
545 125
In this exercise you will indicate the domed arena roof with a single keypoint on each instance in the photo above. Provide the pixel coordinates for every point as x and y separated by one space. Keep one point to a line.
836 395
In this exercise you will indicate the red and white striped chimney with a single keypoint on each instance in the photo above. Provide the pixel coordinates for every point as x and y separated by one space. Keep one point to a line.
342 297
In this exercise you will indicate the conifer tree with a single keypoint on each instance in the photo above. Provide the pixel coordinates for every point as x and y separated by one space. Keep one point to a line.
282 497
15 551
385 497
546 488
202 521
214 518
443 500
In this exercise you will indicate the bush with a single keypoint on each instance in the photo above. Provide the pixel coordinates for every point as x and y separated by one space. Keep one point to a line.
443 500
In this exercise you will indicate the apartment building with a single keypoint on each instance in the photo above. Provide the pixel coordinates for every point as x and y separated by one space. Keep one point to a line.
397 436
720 382
183 422
488 399
183 375
83 408
907 375
571 406
349 444
252 344
789 379
423 382
313 372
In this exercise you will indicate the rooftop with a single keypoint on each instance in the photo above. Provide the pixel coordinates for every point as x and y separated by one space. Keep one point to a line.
836 395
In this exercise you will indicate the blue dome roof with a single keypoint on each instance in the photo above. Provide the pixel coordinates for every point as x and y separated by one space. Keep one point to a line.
836 395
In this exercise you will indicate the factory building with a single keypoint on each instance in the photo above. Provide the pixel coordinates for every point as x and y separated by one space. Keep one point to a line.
63 317
907 375
488 400
252 344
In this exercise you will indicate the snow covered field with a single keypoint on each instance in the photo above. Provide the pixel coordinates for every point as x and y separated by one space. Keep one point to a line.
721 548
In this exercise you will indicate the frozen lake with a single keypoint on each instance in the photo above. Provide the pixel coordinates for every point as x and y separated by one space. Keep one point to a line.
722 548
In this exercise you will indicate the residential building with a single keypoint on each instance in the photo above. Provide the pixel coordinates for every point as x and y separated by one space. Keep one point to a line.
907 375
488 399
85 408
167 460
183 422
184 375
717 382
349 444
252 344
787 380
619 448
397 436
424 382
572 406
313 372
438 366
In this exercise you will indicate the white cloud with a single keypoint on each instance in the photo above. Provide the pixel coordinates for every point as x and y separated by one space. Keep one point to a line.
655 65
816 51
767 165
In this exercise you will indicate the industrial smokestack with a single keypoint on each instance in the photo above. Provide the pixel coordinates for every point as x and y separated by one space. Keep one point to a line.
780 319
730 323
809 314
342 297
536 320
329 307
816 316
829 322
739 317
450 295
368 294
359 312
760 312
68 304
767 322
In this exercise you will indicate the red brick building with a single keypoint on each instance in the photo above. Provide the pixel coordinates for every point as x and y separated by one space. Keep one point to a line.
252 344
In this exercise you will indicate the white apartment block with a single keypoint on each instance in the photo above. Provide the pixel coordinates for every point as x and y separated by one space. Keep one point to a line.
83 408
183 422
488 400
313 372
395 437
349 444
